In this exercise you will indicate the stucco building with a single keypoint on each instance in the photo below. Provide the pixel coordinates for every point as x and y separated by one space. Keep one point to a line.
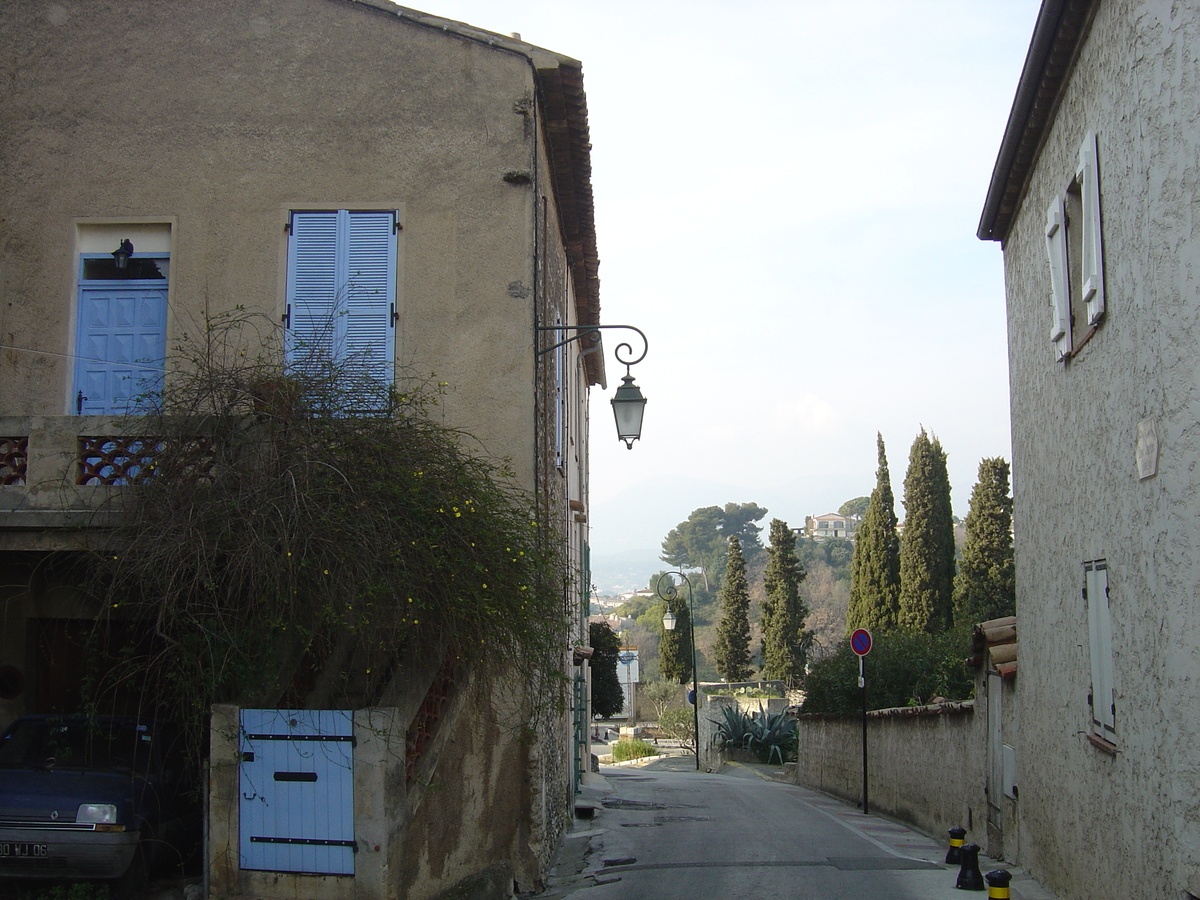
830 525
1093 199
235 147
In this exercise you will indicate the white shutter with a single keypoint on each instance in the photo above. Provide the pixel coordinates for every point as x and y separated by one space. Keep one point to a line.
1092 275
1100 641
1060 296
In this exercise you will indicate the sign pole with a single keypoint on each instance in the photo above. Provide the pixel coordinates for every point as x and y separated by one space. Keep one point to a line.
862 684
860 643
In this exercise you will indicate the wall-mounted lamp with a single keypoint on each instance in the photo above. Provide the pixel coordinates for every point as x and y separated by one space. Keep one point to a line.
121 256
628 407
628 403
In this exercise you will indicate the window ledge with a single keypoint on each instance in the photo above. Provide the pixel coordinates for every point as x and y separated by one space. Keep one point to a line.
1102 745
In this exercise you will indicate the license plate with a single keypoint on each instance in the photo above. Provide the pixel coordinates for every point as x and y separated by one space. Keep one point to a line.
23 850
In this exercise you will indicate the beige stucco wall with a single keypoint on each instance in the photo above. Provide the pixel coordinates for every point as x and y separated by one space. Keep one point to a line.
194 128
925 765
219 118
1094 824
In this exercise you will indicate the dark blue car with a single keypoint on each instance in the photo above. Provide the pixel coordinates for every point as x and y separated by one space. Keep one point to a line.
91 798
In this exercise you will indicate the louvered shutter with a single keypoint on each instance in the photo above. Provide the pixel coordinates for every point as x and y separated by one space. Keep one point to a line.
1100 642
341 292
1060 297
370 292
312 291
1092 275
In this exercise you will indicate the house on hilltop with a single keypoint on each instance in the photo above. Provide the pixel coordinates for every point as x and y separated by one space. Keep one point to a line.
830 525
1093 200
429 182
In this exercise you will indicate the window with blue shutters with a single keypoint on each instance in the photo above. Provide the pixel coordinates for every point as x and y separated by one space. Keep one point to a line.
341 295
120 335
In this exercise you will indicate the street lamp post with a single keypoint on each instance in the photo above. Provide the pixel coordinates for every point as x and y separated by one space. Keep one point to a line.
667 590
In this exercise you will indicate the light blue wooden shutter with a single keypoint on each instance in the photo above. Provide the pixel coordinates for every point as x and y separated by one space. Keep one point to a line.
120 347
312 290
370 292
296 812
341 293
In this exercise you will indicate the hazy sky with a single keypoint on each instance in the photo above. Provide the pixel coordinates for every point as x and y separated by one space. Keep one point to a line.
786 200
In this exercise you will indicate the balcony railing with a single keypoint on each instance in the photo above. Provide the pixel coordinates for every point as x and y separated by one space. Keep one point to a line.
64 472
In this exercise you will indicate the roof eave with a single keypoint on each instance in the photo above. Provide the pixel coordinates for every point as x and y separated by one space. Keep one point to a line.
560 86
1057 36
564 102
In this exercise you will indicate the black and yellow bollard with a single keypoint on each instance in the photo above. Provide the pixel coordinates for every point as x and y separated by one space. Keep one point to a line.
953 857
969 876
997 881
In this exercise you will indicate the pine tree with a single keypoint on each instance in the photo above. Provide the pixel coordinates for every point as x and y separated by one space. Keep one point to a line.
985 586
927 546
875 568
785 642
732 647
607 695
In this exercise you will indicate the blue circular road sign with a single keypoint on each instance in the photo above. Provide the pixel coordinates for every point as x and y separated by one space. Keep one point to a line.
860 641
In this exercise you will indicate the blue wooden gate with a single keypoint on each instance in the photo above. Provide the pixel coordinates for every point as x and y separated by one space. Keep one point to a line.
297 791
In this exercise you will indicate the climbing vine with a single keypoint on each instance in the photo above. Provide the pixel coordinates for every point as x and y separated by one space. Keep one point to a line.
304 530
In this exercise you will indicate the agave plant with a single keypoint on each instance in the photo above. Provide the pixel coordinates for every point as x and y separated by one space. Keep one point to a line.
774 736
770 737
734 731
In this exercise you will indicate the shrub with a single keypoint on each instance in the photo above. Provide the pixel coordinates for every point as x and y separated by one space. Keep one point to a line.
752 693
679 723
901 670
76 890
304 522
631 748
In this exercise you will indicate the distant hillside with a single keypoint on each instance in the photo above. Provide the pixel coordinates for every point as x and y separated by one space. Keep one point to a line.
628 570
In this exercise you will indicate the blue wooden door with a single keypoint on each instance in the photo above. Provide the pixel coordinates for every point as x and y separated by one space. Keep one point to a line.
297 791
120 347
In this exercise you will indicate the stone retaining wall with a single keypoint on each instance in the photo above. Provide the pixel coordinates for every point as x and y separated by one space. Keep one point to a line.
925 765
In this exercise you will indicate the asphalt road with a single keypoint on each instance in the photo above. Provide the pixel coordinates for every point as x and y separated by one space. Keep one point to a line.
668 832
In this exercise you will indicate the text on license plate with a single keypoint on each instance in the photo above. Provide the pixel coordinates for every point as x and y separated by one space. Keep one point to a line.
22 850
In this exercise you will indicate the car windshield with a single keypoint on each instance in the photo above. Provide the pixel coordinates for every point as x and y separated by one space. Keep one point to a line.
76 744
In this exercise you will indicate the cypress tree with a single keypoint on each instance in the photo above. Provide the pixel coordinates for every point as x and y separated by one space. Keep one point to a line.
607 695
985 586
732 648
875 567
927 546
785 642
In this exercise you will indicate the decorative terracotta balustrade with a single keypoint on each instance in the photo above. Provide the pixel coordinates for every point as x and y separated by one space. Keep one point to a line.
14 457
117 460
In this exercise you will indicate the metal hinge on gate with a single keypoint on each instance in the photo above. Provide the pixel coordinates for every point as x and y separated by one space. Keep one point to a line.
309 842
320 738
